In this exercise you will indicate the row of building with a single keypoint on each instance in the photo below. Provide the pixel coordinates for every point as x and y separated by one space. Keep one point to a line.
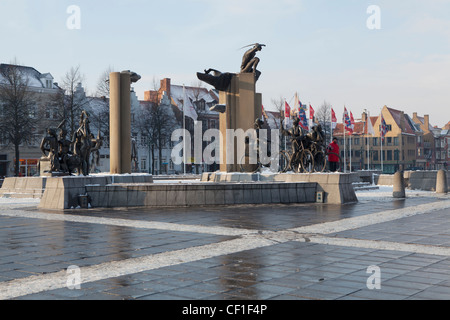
411 142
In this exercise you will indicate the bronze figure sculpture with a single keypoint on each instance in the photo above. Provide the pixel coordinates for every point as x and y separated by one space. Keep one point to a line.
221 80
250 61
67 156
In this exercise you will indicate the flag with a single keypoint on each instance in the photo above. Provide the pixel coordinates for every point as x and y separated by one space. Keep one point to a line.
311 113
352 121
370 127
287 115
303 119
287 110
383 128
333 119
188 108
347 122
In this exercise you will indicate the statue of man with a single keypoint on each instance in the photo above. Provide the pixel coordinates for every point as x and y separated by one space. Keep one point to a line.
250 61
50 144
64 150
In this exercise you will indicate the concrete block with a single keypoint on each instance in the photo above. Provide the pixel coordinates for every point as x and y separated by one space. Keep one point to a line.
176 195
441 182
292 193
238 194
399 185
256 194
195 195
284 193
266 193
275 194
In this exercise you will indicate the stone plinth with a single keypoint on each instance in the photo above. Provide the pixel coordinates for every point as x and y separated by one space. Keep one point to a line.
243 107
199 194
337 187
64 192
17 187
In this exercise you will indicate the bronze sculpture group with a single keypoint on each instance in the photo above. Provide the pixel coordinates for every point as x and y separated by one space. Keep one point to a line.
308 151
70 156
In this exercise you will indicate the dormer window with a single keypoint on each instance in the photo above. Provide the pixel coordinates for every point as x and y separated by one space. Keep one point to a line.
49 84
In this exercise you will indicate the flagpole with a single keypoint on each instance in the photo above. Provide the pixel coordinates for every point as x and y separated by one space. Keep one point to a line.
350 137
368 141
382 142
184 131
345 148
331 121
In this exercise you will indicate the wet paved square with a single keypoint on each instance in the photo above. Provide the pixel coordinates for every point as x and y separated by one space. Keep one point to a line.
280 252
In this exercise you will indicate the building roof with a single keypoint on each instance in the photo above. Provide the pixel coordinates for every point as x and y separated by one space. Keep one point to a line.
178 93
405 124
34 77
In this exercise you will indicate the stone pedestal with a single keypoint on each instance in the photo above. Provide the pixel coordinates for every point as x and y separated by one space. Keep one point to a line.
399 185
243 107
44 166
441 182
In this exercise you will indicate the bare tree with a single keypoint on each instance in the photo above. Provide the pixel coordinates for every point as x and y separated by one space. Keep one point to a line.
70 100
156 124
18 119
100 116
103 83
323 116
279 106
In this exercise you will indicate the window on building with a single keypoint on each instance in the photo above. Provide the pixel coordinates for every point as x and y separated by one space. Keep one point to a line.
389 155
389 141
396 155
396 141
143 163
375 141
201 105
375 155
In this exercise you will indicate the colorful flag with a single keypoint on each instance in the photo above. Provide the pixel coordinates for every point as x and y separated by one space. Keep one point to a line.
352 120
333 119
347 122
383 128
311 113
303 119
287 115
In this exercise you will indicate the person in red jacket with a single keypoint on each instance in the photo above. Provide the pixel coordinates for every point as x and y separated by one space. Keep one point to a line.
333 158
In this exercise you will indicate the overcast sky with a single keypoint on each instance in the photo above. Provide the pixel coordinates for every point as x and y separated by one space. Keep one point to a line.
322 49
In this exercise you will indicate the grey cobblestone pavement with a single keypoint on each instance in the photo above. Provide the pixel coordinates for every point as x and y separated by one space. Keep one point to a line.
376 249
